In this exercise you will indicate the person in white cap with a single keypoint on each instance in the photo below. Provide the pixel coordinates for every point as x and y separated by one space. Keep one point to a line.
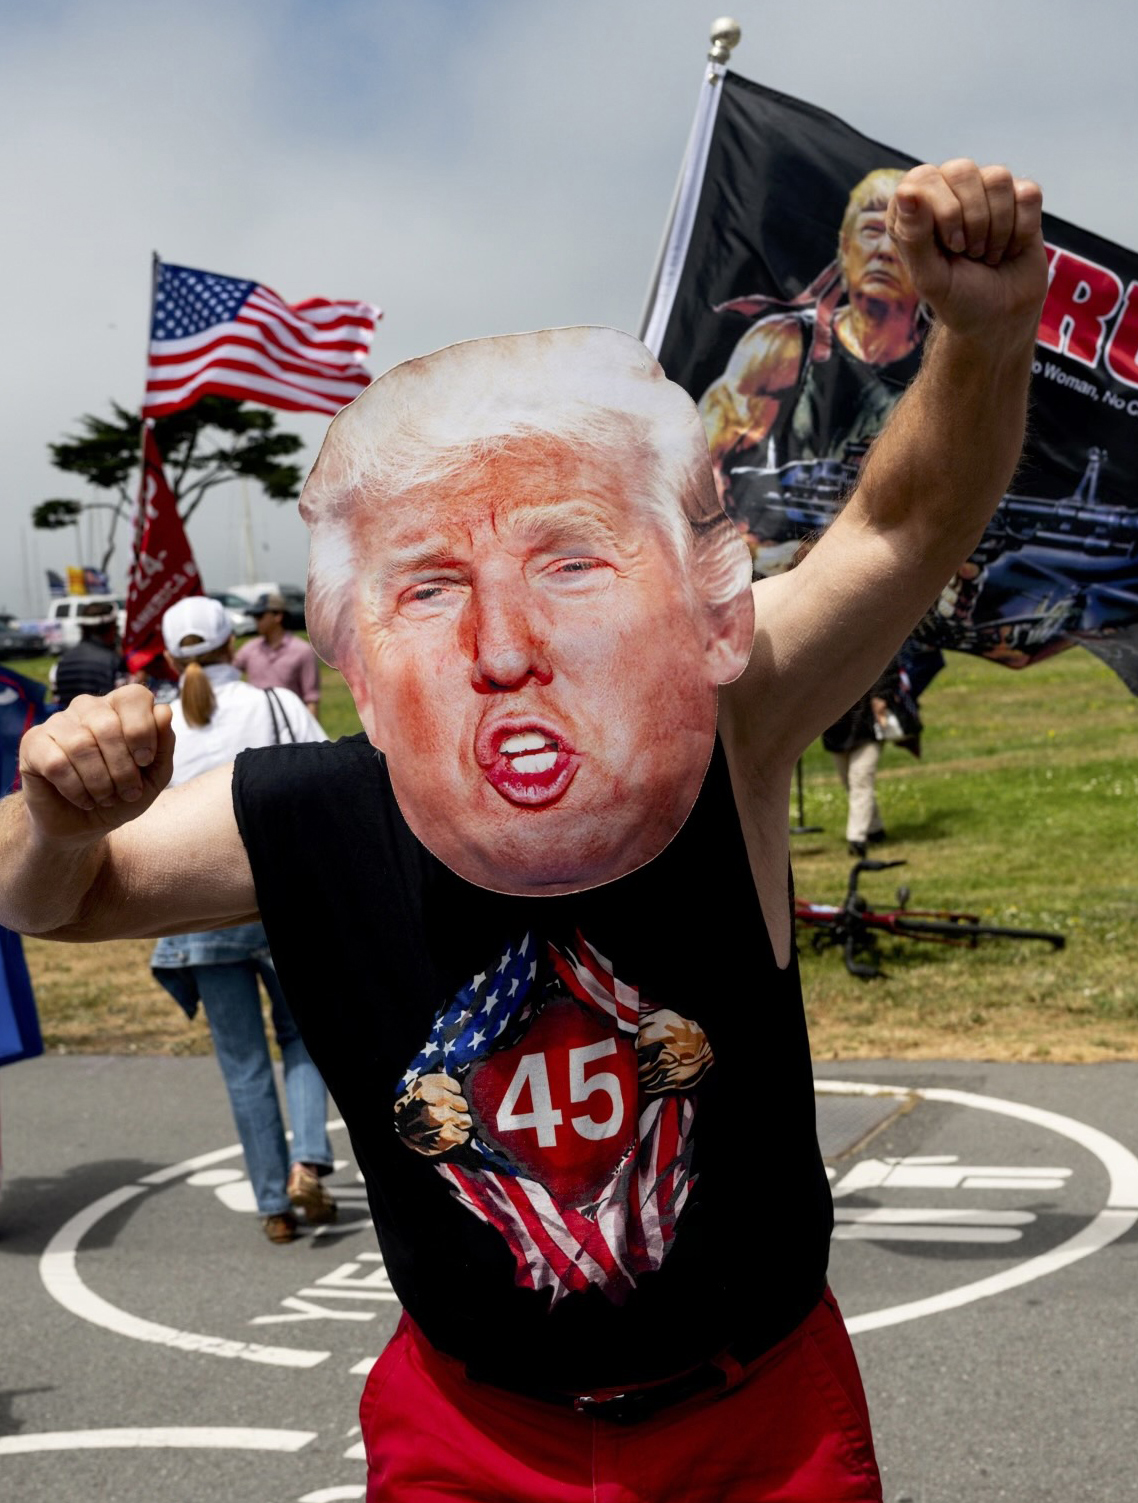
221 714
217 715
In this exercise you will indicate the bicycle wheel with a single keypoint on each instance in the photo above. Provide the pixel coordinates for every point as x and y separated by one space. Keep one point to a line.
965 931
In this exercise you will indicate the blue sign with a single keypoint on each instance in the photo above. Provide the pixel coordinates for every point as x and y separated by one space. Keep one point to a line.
21 707
19 1026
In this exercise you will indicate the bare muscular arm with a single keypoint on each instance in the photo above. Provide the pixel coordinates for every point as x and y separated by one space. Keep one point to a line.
740 408
93 848
823 632
932 479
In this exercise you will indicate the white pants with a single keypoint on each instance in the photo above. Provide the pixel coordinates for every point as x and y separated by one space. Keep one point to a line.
858 772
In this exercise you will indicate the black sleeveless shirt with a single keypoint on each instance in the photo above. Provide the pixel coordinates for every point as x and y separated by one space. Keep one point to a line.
842 405
586 1123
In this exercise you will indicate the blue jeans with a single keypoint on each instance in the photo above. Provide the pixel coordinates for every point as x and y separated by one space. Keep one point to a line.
233 1007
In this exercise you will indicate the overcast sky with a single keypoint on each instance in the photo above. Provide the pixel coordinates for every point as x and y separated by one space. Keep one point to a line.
473 166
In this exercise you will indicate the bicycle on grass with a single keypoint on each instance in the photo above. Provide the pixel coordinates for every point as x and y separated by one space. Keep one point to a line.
854 925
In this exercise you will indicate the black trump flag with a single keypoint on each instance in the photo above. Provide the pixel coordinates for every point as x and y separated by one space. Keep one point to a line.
783 309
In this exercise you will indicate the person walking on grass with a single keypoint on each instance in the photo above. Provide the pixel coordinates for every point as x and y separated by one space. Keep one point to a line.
215 717
856 741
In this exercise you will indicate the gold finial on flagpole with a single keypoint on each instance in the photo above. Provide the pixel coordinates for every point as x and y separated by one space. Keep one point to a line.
725 34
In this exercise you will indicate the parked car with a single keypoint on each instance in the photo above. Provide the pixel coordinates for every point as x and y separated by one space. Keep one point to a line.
239 618
20 639
292 595
64 613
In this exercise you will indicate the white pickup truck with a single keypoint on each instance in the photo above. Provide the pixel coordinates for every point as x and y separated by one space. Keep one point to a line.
62 626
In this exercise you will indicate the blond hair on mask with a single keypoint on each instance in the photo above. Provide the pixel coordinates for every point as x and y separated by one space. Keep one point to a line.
431 422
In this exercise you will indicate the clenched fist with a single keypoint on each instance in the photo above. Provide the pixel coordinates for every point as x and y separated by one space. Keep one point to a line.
432 1115
971 239
672 1052
94 766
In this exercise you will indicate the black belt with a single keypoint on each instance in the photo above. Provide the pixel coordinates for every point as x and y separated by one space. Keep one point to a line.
637 1402
624 1406
634 1405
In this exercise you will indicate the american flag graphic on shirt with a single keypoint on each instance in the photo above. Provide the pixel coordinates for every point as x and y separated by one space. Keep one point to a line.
557 1103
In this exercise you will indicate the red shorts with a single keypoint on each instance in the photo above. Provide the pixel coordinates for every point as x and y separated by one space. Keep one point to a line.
794 1428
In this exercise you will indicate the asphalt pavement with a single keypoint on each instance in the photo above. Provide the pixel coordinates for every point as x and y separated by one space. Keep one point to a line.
155 1345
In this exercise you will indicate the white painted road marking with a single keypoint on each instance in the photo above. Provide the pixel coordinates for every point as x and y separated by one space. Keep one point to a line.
927 1224
188 1166
1114 1221
935 1172
60 1276
945 1172
972 1234
191 1437
899 1215
304 1310
349 1281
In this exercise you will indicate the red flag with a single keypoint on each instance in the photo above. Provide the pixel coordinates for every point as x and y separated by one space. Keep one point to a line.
164 569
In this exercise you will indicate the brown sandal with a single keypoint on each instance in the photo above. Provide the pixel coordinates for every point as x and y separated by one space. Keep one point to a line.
309 1195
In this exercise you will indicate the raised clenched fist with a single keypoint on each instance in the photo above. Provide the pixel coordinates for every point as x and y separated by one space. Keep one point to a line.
94 766
971 239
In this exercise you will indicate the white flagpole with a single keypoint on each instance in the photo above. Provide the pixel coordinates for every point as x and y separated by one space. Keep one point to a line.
138 517
725 34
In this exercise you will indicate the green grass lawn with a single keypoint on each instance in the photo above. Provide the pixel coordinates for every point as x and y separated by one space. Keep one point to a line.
337 711
1023 809
102 999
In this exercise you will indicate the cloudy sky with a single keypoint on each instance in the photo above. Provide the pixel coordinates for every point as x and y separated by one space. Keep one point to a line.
473 166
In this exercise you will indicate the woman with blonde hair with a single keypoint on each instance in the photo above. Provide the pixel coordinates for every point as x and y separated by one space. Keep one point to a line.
216 716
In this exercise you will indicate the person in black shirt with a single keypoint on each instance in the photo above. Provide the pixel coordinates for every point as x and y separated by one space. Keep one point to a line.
557 1102
95 664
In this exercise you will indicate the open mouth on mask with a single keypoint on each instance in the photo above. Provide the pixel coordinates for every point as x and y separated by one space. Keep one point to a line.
530 765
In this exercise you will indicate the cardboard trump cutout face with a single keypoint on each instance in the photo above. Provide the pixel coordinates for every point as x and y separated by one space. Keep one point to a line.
520 564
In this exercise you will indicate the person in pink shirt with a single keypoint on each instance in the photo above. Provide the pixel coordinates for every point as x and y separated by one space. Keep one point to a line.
275 659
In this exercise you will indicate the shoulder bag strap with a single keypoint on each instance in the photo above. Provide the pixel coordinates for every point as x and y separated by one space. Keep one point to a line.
275 706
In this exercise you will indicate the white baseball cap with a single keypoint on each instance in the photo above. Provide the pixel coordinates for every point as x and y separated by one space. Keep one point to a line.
196 616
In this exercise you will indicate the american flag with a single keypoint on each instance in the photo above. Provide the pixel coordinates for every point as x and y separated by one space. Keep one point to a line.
238 339
480 1014
626 1228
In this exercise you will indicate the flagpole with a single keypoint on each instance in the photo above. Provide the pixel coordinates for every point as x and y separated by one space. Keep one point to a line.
155 263
139 518
724 38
